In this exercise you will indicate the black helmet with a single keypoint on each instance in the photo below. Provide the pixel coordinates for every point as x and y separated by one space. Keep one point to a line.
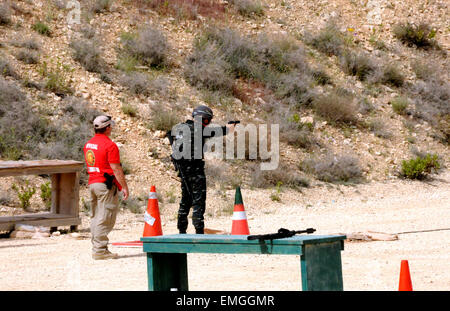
203 111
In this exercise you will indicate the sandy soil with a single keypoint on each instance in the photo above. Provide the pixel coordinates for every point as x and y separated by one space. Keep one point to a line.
64 262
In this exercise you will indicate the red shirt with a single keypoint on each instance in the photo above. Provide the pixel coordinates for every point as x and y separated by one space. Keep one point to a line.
99 152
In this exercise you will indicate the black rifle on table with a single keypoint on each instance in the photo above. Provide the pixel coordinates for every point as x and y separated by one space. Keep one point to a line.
282 233
234 122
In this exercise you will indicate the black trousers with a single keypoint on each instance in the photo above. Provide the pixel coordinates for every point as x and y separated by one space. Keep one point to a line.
193 194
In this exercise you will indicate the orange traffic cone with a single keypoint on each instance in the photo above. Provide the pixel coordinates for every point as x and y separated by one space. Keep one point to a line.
239 225
405 283
152 226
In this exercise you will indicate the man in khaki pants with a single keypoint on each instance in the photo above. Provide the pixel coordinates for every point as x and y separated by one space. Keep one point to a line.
106 179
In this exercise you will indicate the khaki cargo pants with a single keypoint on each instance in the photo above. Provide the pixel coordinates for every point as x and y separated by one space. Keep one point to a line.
104 208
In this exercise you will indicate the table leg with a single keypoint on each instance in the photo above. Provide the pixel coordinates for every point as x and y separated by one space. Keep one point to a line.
321 267
167 271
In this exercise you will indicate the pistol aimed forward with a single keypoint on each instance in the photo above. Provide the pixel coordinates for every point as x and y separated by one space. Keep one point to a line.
282 233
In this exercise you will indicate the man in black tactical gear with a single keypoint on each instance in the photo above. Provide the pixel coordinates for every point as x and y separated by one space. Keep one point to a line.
188 140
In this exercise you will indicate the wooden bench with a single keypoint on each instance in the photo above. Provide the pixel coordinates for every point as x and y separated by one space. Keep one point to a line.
65 176
320 257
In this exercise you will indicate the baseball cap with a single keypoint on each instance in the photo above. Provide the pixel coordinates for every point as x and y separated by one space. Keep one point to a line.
103 121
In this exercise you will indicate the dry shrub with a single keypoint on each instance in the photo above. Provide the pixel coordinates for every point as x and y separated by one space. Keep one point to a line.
28 56
186 9
248 8
277 64
99 6
30 43
392 75
17 121
272 178
330 40
141 83
68 134
5 14
206 68
149 46
88 54
6 69
357 64
334 168
162 119
62 138
378 127
336 107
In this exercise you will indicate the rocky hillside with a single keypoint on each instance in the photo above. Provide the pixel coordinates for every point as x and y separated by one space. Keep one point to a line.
356 86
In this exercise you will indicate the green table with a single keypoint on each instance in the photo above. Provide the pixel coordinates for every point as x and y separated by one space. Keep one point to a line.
320 257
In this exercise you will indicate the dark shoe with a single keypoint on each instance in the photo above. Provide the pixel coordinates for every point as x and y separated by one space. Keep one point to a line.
199 231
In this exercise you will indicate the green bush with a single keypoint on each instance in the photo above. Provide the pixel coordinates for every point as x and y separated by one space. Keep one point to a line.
421 35
56 79
42 29
46 195
129 110
24 193
399 105
420 167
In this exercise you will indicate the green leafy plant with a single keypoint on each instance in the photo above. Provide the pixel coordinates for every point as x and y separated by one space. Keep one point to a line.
57 79
399 105
24 193
275 196
129 110
420 167
42 28
46 195
421 35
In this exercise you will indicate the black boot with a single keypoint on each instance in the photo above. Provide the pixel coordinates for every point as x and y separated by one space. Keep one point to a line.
199 231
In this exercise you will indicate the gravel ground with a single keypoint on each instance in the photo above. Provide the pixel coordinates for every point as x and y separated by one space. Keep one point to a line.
64 262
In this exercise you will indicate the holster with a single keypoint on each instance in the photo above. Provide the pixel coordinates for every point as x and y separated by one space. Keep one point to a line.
109 180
